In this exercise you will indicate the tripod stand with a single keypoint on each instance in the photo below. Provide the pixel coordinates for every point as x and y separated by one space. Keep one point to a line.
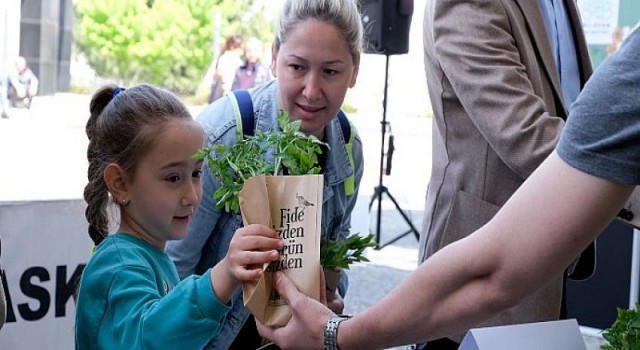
381 189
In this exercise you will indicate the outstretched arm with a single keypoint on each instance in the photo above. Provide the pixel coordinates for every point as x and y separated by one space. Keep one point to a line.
547 222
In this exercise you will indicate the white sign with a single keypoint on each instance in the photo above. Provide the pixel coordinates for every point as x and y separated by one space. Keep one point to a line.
599 19
45 247
553 335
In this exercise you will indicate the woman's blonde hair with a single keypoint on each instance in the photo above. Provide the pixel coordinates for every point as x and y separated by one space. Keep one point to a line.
342 14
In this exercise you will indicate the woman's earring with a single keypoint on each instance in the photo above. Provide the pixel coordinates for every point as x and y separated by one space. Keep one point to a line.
123 202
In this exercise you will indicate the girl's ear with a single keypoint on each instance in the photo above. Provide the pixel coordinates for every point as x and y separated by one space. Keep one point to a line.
116 180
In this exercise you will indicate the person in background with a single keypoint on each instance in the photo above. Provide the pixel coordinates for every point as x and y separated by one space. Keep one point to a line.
502 76
557 212
225 67
252 72
141 146
23 84
311 81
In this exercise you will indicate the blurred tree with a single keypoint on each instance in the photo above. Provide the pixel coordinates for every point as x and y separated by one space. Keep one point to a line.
164 42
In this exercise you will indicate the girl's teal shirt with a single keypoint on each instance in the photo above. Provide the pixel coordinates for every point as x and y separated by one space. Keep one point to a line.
131 298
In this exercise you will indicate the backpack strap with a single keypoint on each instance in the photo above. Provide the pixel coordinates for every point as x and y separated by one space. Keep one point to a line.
243 110
345 125
245 125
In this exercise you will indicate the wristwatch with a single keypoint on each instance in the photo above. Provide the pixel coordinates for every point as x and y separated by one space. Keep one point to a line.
331 332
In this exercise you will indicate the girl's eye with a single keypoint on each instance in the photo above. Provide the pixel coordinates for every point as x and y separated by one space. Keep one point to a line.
173 178
197 173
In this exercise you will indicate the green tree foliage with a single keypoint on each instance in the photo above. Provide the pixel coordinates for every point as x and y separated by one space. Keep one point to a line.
247 18
163 42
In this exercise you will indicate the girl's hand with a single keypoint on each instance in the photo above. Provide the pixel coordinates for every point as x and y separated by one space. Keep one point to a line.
250 248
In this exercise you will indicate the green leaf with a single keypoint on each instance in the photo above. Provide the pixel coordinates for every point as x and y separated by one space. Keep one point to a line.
341 254
624 333
201 154
233 165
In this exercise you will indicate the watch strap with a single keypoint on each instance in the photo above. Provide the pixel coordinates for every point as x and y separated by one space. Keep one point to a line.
331 332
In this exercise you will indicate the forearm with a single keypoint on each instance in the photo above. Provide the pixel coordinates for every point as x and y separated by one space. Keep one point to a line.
530 241
33 87
440 297
222 282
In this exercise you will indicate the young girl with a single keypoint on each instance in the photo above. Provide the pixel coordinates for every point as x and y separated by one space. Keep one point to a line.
141 146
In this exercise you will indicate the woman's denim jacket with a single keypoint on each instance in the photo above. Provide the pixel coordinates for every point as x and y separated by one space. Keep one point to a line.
210 232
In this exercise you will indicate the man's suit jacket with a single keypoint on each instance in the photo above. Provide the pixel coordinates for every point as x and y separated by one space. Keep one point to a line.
497 113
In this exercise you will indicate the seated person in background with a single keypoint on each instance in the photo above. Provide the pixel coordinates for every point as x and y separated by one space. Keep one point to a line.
252 72
23 84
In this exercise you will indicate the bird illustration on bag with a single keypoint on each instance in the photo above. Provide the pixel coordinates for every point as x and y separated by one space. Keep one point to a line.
302 202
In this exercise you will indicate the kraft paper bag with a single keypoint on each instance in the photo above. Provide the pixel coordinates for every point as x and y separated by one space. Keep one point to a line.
291 205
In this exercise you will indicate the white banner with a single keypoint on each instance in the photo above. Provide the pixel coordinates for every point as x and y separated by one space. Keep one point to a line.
45 246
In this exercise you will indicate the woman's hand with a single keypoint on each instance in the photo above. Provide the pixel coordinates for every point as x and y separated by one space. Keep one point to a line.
335 302
331 298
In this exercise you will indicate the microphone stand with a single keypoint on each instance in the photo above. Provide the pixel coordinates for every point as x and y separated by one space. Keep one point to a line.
381 189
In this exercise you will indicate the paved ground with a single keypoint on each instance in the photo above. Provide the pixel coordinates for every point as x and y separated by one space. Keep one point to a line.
43 152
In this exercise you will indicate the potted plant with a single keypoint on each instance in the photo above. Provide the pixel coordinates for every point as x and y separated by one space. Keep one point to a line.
338 255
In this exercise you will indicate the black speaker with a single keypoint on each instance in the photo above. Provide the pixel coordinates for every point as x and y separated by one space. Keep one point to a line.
386 26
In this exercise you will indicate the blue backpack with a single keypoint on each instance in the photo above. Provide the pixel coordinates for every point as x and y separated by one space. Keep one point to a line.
245 124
